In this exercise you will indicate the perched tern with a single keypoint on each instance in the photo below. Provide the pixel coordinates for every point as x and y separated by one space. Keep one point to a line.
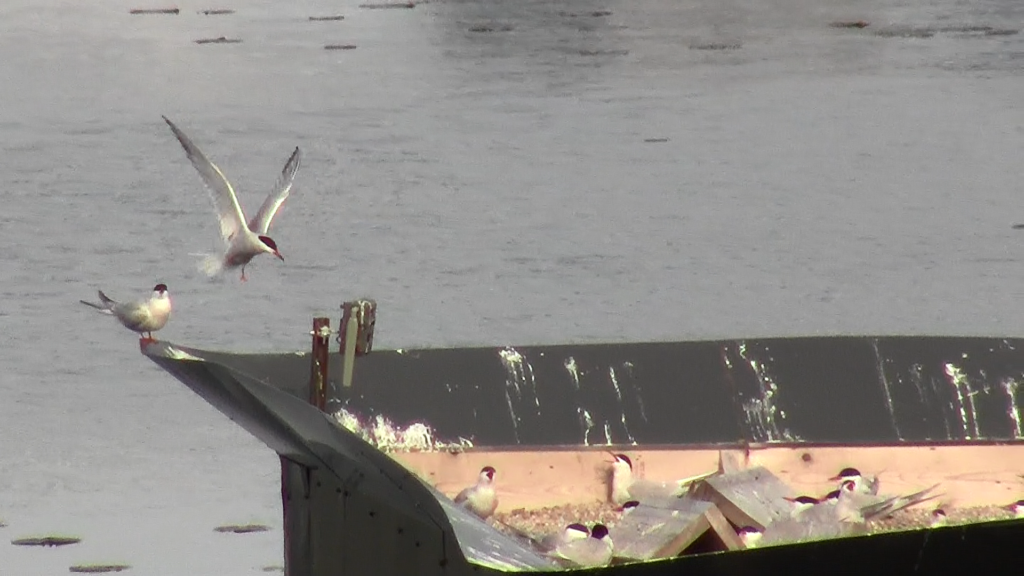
846 514
628 507
244 241
864 484
568 534
856 506
801 503
144 317
791 530
480 499
625 487
588 552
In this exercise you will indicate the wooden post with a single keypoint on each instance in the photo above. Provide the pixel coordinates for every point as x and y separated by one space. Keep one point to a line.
318 370
355 334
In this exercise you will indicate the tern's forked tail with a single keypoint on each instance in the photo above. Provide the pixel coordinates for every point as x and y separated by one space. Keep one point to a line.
106 305
211 265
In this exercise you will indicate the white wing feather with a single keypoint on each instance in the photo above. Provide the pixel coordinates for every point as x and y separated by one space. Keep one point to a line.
260 223
229 213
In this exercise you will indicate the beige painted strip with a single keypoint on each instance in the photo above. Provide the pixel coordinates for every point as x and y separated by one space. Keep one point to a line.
969 475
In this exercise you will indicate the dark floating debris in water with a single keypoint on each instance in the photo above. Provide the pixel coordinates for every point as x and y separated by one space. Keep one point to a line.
340 47
99 568
325 18
1018 226
965 28
273 568
218 40
974 30
46 541
850 24
716 46
905 32
386 5
959 30
1001 32
655 140
153 11
491 28
242 528
215 12
594 14
603 52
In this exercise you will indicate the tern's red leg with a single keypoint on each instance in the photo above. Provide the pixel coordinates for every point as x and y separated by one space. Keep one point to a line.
243 274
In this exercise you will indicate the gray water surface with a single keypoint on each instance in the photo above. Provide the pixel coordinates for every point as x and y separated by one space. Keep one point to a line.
485 187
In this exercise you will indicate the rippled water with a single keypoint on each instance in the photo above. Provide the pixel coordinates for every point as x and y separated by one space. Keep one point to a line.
485 170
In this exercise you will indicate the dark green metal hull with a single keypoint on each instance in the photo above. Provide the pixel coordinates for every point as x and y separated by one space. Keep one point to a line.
350 509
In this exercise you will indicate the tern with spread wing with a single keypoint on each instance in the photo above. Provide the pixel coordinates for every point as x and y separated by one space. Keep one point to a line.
144 317
244 241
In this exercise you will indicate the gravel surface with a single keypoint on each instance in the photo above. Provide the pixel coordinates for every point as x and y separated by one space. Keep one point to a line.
543 521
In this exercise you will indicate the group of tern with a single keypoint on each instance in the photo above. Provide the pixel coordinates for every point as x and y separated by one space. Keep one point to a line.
243 240
846 510
576 544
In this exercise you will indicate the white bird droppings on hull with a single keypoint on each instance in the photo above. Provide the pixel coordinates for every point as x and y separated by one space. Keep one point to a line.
965 400
1011 387
386 436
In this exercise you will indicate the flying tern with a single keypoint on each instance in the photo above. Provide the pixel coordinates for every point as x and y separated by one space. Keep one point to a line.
480 498
144 317
243 241
597 550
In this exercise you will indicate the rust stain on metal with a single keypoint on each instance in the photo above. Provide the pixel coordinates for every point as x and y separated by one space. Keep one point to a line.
318 372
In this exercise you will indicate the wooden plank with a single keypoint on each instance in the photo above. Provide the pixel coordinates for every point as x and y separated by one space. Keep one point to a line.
730 461
752 497
649 532
723 529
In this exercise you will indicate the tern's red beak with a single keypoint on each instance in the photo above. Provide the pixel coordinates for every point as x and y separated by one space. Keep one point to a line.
278 254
